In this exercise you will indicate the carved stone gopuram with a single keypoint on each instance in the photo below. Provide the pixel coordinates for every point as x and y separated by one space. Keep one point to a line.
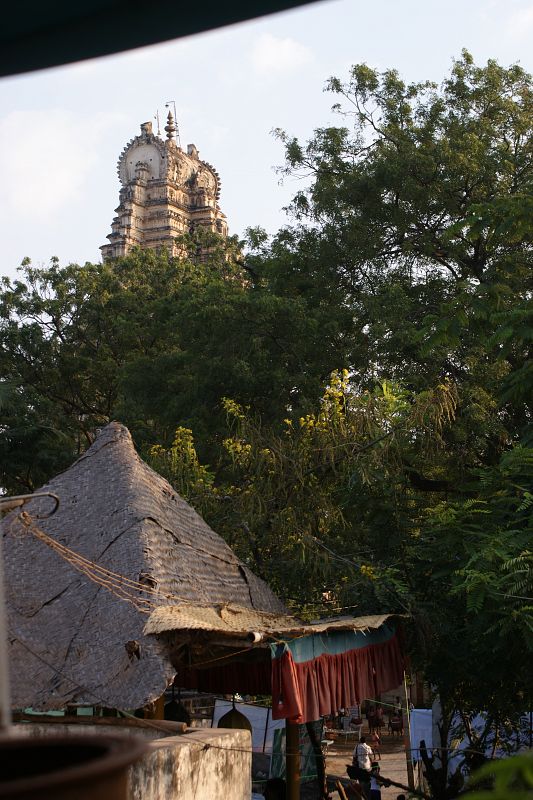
165 193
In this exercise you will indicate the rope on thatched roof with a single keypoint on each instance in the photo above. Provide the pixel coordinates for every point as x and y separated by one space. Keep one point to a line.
114 582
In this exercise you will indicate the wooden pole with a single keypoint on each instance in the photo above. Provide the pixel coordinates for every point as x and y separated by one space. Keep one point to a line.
5 701
320 761
407 738
155 710
340 789
292 759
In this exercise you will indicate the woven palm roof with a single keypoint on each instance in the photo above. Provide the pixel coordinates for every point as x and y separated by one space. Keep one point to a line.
73 641
237 621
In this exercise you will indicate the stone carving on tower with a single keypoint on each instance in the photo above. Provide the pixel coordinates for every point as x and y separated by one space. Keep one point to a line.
165 193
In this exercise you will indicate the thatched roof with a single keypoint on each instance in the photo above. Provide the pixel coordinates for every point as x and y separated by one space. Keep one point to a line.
236 621
71 640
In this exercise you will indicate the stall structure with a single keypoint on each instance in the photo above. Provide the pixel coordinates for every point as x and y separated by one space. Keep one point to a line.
126 589
310 670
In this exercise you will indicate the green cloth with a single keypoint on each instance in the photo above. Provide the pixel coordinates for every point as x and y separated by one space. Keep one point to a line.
305 648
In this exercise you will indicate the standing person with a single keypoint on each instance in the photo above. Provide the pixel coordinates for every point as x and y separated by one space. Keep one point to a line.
379 718
375 787
375 744
396 725
361 758
362 754
371 718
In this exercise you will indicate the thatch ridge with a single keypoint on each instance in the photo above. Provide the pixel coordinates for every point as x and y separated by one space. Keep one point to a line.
241 622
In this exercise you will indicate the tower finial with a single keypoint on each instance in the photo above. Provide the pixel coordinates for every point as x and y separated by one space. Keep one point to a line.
173 121
170 127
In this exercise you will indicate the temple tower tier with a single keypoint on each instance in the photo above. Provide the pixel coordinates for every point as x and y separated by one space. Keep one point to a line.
164 193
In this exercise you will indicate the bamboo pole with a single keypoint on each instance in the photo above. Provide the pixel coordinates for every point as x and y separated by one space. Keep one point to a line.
340 789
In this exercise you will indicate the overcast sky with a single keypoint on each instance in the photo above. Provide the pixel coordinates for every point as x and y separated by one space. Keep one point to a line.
62 130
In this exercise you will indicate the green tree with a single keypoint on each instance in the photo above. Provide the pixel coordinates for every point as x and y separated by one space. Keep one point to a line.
510 778
419 211
399 183
413 239
407 486
288 496
152 341
327 513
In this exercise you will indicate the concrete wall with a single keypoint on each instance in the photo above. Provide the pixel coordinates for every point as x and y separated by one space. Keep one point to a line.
202 764
207 764
64 729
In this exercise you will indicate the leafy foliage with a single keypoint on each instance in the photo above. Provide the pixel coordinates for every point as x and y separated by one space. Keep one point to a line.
508 778
348 403
147 339
291 493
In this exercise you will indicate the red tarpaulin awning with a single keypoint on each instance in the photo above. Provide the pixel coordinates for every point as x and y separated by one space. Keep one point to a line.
316 675
310 676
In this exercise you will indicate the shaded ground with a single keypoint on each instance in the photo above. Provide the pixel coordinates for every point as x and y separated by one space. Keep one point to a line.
393 763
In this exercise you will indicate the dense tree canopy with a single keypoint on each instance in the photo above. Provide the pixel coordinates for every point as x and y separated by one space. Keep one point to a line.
421 218
348 403
151 340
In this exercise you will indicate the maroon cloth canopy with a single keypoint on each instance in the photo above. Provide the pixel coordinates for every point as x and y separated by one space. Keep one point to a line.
311 676
305 690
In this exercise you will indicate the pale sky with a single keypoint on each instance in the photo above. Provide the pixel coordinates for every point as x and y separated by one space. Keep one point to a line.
62 130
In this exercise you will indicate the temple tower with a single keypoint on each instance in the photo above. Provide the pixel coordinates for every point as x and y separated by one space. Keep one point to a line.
165 193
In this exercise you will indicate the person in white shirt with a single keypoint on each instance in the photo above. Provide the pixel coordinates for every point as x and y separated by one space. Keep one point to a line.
361 759
362 755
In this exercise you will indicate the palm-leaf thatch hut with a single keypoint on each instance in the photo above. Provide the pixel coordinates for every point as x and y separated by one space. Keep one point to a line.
72 640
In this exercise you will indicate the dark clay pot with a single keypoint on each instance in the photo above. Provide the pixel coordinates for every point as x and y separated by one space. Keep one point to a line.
76 767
